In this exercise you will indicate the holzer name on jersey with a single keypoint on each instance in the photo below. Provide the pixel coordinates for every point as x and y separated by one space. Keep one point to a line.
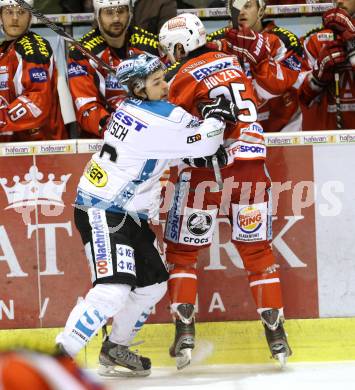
222 77
122 123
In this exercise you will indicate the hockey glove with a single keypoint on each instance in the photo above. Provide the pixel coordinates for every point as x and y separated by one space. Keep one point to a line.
104 121
246 43
340 22
206 162
3 117
221 109
218 45
330 57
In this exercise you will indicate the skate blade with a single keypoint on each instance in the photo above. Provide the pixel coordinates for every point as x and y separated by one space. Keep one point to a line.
282 358
183 358
117 371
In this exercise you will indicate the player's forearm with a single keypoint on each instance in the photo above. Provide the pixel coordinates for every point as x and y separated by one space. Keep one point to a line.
89 118
210 132
274 77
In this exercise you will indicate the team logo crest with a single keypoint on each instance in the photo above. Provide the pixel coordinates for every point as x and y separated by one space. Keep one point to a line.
199 223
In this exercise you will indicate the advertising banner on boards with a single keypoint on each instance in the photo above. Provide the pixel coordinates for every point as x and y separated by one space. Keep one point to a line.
43 269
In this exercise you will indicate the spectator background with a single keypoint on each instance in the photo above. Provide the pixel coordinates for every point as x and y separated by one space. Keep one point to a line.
63 6
152 14
48 6
201 3
282 2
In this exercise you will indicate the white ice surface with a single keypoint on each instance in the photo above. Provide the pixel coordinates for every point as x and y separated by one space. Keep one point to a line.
295 376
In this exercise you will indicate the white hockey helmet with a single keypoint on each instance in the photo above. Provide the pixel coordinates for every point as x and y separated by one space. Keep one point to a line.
12 3
5 3
99 4
186 29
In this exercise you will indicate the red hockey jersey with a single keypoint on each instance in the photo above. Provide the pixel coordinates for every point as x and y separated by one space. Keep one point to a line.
29 104
318 107
95 90
276 78
207 75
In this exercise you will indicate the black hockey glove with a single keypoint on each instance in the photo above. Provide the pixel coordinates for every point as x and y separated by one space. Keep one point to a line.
104 121
220 108
206 162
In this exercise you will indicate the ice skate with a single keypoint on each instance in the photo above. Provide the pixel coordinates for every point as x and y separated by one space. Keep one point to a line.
276 336
184 341
60 350
117 360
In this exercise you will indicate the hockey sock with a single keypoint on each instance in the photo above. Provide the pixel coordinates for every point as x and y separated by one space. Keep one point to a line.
88 316
129 321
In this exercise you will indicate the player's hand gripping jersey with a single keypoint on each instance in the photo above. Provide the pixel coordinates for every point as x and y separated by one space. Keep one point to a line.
94 90
275 70
213 74
140 140
29 106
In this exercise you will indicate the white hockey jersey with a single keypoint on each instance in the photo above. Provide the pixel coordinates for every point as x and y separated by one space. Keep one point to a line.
140 141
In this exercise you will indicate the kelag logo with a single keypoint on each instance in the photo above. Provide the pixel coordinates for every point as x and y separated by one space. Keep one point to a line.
4 85
76 70
38 75
293 63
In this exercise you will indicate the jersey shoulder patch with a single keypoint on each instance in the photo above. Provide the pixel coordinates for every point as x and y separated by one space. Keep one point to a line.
93 41
33 48
289 39
143 40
